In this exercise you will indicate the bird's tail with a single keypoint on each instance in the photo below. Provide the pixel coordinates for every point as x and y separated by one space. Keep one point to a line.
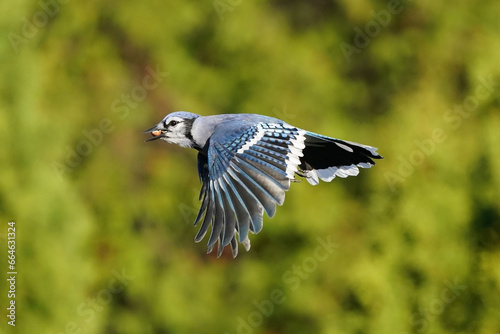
325 158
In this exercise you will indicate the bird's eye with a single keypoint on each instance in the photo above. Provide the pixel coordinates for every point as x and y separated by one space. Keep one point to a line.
173 123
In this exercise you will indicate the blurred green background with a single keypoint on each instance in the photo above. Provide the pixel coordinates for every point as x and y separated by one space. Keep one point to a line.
104 235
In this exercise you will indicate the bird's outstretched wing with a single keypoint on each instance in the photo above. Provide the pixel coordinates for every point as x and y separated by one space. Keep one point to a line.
245 169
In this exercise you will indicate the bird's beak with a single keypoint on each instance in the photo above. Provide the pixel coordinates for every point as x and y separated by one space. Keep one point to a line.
156 131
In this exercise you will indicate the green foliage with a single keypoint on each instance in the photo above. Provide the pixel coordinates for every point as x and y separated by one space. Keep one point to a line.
104 220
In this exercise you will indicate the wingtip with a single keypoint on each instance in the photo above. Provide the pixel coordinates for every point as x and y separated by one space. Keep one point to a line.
375 154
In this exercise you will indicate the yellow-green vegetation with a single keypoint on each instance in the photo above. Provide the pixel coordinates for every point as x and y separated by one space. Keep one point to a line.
104 235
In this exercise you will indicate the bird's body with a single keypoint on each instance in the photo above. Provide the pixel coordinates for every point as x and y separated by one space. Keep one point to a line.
246 163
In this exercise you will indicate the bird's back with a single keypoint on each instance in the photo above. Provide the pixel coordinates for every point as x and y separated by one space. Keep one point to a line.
205 126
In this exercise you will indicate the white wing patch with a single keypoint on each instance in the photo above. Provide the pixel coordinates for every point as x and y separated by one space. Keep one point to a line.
296 145
293 157
372 149
328 174
258 136
345 147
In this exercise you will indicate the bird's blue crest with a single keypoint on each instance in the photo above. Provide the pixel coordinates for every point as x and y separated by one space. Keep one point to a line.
182 114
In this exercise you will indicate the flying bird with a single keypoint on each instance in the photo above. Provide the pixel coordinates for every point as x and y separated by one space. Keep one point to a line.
246 163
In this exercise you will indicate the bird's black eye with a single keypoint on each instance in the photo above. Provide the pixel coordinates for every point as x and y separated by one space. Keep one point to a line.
173 123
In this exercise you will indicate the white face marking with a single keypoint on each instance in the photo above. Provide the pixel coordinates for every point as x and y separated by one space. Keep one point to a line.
177 131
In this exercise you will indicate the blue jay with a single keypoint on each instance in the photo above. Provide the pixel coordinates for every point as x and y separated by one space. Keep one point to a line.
246 163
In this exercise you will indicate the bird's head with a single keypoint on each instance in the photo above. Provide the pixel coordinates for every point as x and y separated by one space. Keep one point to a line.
175 128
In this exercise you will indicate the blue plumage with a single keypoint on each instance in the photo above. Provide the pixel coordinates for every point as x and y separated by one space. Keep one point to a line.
246 163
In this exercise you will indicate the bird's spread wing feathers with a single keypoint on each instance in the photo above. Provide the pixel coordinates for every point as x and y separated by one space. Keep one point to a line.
247 167
245 171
